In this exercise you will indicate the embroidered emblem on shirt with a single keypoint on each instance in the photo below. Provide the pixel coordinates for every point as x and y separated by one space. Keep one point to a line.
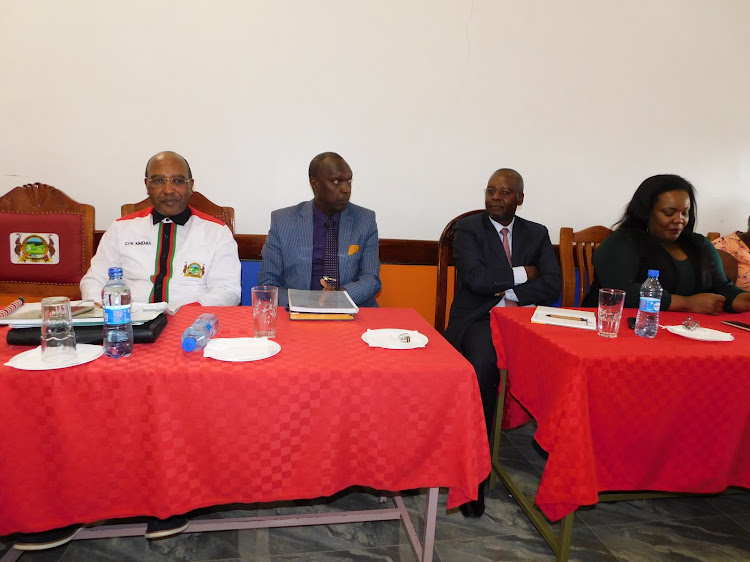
34 248
194 270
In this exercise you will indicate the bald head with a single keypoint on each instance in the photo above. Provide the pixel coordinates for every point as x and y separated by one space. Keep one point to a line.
510 174
168 154
322 159
169 183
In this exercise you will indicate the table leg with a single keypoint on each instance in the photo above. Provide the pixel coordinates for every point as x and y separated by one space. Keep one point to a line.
559 543
423 550
497 428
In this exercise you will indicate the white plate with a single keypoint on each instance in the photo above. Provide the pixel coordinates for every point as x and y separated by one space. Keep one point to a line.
241 349
31 360
388 338
700 334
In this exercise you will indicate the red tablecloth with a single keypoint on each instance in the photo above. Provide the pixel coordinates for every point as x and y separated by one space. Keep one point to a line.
668 414
164 431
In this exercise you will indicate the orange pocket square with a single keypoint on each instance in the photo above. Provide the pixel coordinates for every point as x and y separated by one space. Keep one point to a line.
353 249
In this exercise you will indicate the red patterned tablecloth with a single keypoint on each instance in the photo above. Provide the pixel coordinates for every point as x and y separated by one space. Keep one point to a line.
164 432
668 414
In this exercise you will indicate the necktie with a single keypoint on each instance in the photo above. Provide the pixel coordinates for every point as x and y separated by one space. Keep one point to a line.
506 244
331 255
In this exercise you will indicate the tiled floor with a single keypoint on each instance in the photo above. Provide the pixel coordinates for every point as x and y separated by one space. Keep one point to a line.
714 529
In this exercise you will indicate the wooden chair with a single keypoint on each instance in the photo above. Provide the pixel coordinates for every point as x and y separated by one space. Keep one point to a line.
198 201
576 251
46 242
713 236
445 259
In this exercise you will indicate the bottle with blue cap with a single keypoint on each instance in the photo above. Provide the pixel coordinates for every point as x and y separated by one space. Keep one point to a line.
647 320
117 328
197 335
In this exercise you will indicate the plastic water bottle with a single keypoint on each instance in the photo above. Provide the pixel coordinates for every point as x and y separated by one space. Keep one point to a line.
203 329
647 320
118 330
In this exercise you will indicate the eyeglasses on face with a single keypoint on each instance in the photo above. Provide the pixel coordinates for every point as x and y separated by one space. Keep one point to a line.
177 182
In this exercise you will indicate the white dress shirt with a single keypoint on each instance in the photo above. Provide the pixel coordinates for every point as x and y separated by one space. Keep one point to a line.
519 272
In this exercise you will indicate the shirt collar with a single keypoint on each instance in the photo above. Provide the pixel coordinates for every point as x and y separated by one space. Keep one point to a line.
320 218
499 226
180 218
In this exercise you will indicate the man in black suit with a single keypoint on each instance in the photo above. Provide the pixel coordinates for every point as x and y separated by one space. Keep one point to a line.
502 260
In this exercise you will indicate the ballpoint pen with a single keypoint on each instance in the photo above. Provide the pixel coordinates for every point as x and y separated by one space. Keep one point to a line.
561 317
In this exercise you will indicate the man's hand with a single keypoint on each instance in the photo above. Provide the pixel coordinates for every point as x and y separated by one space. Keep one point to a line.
327 286
532 271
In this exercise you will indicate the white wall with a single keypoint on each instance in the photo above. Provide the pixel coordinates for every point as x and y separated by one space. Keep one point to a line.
585 98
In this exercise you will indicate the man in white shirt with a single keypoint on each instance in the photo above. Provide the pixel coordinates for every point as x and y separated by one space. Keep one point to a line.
169 252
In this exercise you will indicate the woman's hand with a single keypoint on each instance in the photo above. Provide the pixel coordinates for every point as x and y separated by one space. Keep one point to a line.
741 302
700 303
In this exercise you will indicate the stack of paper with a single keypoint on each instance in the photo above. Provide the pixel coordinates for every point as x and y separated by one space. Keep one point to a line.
321 305
567 317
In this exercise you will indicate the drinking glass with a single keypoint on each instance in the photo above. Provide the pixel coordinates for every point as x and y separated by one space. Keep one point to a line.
58 337
265 304
611 302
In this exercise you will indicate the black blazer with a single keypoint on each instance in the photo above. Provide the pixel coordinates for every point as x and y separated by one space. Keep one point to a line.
483 270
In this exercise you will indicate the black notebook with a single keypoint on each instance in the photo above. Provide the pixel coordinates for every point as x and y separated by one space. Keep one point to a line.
148 332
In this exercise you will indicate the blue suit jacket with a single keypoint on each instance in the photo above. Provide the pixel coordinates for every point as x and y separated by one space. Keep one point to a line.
484 271
287 253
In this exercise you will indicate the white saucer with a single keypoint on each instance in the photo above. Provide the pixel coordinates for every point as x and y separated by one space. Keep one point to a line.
389 338
700 334
31 360
241 349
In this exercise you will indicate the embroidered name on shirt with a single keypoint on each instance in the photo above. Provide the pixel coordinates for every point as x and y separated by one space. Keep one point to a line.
139 243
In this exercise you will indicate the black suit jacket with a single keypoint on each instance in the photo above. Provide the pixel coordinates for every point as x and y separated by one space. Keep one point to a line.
484 271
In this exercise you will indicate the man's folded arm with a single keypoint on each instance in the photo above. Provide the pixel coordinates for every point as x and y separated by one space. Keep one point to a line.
480 278
545 288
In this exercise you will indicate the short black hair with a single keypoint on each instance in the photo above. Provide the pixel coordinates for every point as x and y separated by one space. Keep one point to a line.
190 173
317 162
638 211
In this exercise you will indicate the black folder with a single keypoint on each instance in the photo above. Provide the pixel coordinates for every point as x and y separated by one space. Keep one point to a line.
148 332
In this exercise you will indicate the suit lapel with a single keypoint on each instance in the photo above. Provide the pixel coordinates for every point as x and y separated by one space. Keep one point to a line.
346 230
518 248
304 240
496 244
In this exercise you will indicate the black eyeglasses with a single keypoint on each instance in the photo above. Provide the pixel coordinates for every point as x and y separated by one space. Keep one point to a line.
177 182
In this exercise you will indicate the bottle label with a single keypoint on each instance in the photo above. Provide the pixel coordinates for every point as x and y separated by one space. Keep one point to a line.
649 304
117 314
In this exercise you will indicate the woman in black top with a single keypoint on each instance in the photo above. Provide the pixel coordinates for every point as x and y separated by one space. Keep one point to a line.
656 232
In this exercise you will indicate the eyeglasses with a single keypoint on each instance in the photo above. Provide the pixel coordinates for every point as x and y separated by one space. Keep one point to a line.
490 191
177 182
